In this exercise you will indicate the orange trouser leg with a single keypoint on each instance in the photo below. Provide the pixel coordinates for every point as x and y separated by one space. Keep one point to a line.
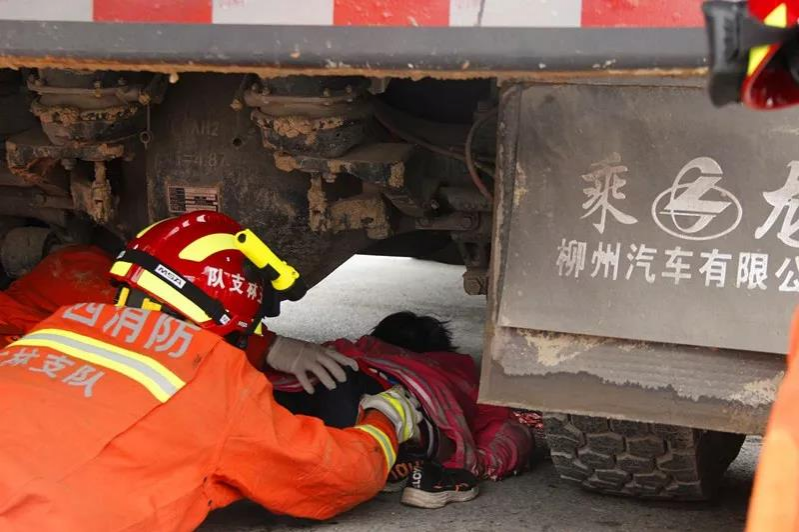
774 506
775 499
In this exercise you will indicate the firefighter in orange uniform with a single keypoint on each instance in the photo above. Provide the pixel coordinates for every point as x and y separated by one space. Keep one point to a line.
774 506
147 415
69 275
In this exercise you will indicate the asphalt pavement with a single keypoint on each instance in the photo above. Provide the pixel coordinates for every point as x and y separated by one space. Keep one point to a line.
353 300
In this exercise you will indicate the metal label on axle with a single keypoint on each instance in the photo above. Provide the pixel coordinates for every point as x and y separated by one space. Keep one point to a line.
188 199
644 213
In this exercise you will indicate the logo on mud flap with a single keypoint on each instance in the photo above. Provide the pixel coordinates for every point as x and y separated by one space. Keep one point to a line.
698 209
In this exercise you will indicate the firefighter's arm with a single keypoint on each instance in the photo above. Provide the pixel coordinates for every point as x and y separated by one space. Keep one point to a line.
257 347
296 465
302 359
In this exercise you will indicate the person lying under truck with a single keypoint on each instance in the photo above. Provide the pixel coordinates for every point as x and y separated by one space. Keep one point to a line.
461 440
147 415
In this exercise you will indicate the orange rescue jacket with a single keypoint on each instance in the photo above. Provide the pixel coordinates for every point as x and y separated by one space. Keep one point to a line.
126 419
69 275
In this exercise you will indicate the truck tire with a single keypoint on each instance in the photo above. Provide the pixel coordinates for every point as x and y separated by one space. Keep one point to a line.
645 460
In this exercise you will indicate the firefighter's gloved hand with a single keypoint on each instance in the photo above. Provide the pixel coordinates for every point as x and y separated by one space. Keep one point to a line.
301 358
400 407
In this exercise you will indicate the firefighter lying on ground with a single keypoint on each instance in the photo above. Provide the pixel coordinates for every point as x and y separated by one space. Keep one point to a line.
79 273
146 415
487 444
462 441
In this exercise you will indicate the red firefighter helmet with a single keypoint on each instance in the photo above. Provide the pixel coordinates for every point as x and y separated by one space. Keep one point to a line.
193 264
768 83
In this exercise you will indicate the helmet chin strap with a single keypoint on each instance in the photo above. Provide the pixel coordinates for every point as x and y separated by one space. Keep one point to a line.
212 307
135 298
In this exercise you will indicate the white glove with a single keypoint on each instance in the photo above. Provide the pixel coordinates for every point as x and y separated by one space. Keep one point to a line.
300 358
400 407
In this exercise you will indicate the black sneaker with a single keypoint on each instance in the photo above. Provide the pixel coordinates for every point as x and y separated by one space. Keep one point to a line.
398 476
412 455
432 486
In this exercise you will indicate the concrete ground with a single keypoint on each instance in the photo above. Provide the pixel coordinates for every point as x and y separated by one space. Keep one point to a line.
351 301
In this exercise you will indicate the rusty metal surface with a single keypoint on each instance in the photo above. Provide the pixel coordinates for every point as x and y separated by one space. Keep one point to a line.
94 197
465 199
33 159
306 115
92 107
475 281
8 179
34 198
305 91
105 89
174 70
85 116
329 215
201 143
353 50
65 124
379 163
460 221
33 144
329 136
665 383
364 211
652 217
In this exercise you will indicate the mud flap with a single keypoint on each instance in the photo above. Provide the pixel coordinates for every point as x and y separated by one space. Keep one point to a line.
646 254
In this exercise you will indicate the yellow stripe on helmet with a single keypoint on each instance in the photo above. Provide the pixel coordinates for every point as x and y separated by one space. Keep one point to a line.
121 268
122 298
162 291
777 18
165 293
204 247
248 244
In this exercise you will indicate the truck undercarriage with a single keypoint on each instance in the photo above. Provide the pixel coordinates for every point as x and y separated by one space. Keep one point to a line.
323 167
327 142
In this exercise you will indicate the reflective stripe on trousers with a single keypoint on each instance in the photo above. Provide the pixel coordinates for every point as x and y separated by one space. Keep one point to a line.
384 442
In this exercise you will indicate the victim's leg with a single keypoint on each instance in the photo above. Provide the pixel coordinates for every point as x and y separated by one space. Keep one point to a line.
336 408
